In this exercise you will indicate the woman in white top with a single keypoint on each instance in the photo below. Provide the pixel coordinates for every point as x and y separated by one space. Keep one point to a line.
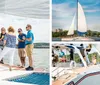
9 46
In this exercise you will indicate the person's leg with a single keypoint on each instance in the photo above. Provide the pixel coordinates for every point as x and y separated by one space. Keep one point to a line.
4 52
20 56
11 57
1 48
30 55
2 58
23 61
30 61
71 56
29 49
19 53
23 57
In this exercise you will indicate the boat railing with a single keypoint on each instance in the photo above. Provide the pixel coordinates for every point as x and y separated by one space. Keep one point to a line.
55 69
58 74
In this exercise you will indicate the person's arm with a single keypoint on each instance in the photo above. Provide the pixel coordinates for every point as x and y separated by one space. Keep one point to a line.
19 40
5 40
2 38
29 38
4 43
23 39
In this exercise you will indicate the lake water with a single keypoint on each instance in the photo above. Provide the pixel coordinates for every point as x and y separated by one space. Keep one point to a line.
40 59
94 38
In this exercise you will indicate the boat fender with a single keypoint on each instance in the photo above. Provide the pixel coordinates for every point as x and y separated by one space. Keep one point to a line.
72 64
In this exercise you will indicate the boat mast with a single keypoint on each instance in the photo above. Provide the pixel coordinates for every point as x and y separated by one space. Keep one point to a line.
77 17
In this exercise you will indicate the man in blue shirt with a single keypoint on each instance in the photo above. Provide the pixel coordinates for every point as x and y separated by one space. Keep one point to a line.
21 46
29 46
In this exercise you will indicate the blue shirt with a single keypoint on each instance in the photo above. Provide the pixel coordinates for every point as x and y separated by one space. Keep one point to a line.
61 54
10 40
29 35
21 44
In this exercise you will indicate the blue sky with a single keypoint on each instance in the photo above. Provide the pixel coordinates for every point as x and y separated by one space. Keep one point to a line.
64 11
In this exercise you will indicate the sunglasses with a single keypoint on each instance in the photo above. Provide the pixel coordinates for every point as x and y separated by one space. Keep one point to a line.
19 31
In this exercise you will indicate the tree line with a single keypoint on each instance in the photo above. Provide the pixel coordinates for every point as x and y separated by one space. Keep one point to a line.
63 33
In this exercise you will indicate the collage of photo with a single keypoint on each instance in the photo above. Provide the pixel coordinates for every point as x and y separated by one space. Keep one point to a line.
49 42
75 42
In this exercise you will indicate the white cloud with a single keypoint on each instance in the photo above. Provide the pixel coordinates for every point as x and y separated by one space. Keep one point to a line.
62 15
63 10
93 10
91 7
40 27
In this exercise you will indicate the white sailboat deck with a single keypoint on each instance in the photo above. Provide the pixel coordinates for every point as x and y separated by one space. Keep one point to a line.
72 74
11 74
12 83
16 72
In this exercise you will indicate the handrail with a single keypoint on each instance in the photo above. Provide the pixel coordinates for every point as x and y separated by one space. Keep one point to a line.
59 72
55 69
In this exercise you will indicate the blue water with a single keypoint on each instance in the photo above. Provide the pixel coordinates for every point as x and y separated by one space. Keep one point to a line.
39 56
35 78
94 38
56 39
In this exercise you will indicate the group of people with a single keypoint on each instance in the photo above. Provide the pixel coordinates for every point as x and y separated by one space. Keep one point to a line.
61 56
84 52
25 45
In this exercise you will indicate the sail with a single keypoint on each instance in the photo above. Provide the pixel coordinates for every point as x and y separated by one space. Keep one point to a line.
72 27
82 26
